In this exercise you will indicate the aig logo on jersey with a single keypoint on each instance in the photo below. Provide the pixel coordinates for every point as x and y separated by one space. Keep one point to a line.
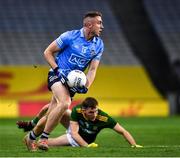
75 59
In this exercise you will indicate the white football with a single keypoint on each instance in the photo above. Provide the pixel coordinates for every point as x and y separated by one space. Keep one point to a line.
76 78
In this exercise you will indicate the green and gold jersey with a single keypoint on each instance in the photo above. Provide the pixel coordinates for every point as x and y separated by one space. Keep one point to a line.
88 130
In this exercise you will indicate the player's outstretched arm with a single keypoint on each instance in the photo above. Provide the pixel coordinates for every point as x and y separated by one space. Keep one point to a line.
119 129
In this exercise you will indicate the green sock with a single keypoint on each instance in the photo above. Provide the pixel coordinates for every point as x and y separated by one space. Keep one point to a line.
35 121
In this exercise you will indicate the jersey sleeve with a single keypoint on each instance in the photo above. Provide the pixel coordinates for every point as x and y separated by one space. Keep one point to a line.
63 40
100 51
74 115
111 122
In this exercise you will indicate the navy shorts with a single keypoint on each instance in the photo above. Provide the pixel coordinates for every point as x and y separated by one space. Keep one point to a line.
52 78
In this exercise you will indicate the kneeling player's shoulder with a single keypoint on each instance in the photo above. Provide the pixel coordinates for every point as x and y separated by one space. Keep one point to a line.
102 118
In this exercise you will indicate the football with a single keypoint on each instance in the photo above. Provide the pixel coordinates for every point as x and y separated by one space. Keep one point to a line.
76 78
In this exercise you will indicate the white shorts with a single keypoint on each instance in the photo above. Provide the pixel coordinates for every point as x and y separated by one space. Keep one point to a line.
70 139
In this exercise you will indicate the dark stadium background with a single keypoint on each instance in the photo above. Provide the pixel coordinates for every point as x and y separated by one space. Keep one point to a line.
143 34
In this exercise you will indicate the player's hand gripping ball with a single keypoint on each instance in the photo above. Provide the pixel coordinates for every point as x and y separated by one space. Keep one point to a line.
76 78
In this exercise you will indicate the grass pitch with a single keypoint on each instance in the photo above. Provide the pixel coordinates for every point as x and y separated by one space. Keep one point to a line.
159 136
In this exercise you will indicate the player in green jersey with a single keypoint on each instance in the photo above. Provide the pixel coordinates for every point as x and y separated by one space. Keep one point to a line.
86 121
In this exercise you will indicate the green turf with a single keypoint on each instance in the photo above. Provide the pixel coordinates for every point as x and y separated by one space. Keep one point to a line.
160 137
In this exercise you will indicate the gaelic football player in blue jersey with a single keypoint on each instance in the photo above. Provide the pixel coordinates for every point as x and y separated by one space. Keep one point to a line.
76 49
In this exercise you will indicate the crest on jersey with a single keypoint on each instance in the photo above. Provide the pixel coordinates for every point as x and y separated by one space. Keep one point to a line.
102 118
84 49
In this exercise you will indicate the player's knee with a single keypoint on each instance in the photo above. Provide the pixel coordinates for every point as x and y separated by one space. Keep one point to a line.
64 105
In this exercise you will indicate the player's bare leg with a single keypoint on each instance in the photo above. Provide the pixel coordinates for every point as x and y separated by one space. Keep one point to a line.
43 111
63 101
29 125
31 144
38 129
66 118
59 141
30 138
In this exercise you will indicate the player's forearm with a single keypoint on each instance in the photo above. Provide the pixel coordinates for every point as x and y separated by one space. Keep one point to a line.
79 140
129 138
119 129
90 78
92 72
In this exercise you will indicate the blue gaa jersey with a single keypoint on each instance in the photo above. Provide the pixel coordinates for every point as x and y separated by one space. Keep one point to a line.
76 52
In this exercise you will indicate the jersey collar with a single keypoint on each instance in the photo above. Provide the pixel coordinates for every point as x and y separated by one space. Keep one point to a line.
82 35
